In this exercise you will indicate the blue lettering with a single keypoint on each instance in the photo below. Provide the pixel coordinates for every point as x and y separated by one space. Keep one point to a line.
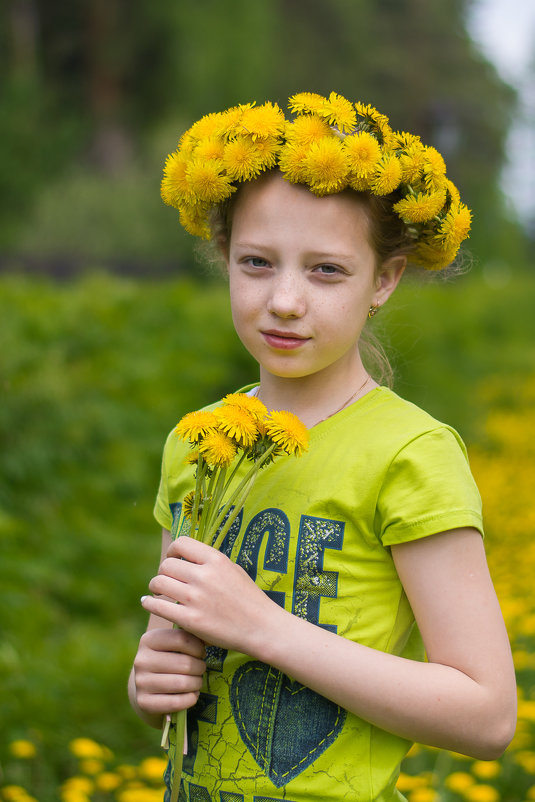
311 582
275 524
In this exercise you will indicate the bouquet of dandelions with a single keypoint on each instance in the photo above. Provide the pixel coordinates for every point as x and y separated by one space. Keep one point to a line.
221 440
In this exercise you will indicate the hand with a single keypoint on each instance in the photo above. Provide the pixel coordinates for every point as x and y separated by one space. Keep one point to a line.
218 601
168 671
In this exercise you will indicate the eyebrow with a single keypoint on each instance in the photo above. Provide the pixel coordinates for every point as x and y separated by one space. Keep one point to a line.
327 255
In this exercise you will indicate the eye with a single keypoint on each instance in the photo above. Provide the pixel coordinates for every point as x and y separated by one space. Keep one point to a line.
328 270
256 261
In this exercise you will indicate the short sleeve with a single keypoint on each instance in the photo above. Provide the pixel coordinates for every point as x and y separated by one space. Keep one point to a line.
428 488
162 510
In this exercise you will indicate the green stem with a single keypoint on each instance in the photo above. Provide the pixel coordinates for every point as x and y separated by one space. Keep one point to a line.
180 721
207 504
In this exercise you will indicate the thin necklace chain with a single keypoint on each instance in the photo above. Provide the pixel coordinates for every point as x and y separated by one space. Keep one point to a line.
344 405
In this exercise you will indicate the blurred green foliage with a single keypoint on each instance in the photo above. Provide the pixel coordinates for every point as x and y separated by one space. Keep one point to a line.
93 374
94 95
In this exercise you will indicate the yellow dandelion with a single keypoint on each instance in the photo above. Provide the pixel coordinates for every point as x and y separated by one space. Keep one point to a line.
459 781
217 449
292 163
238 423
373 120
231 120
174 186
420 208
193 217
210 148
432 257
402 140
127 771
263 121
268 150
482 793
307 129
287 431
14 793
434 167
452 191
22 749
326 166
486 769
363 152
91 766
86 748
412 163
339 112
207 126
153 768
455 226
241 159
192 458
387 176
250 403
207 181
195 425
187 504
107 781
423 795
306 103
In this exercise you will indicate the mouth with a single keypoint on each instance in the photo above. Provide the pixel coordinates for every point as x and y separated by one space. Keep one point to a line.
284 340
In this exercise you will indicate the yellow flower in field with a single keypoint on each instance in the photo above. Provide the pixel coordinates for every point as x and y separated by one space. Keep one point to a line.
250 403
174 185
486 770
363 152
307 129
287 431
263 121
459 781
82 785
140 794
195 425
455 227
22 749
218 450
423 795
408 782
306 103
339 112
526 759
482 793
387 176
14 793
126 771
237 423
207 182
326 166
91 766
531 793
153 768
86 748
108 781
422 207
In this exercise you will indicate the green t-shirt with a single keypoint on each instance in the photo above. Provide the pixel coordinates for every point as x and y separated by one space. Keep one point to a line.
315 534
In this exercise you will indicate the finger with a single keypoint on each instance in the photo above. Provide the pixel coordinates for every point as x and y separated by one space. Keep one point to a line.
168 664
192 550
169 589
166 703
174 640
175 613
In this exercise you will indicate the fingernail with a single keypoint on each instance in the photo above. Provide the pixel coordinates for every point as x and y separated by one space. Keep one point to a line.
143 599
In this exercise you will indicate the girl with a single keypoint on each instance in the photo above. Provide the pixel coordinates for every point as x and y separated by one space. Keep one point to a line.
301 643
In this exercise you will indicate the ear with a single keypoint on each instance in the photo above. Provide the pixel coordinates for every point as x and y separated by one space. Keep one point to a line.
388 278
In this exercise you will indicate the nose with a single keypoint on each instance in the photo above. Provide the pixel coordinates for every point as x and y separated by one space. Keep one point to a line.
287 295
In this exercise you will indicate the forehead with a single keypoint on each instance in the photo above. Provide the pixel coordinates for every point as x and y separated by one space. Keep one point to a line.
271 204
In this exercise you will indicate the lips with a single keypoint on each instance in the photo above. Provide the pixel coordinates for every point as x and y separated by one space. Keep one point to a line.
284 340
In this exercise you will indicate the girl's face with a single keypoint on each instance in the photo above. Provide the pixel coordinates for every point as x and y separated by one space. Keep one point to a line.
302 278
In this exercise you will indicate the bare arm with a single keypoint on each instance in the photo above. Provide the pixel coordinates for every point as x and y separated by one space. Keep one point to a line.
168 667
463 699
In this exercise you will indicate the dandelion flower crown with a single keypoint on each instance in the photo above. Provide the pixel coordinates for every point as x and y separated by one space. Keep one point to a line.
329 145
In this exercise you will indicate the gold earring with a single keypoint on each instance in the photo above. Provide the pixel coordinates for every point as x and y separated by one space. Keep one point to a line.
373 310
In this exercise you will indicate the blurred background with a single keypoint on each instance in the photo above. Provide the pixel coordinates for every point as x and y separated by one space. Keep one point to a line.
104 341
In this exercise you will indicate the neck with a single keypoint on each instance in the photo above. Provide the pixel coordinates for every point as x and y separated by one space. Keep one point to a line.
314 398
